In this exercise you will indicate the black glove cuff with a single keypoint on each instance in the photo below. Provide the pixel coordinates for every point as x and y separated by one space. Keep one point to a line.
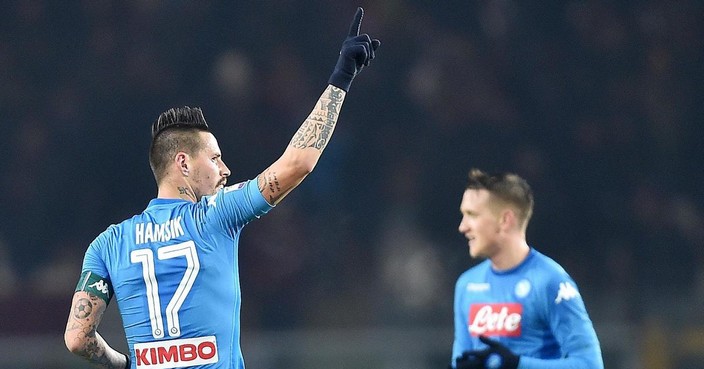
341 80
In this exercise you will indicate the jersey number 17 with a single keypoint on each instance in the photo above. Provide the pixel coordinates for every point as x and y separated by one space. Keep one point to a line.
146 257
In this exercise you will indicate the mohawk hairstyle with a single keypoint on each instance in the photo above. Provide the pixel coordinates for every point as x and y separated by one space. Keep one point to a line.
172 132
185 117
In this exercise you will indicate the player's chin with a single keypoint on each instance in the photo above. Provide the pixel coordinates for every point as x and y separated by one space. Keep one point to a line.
475 252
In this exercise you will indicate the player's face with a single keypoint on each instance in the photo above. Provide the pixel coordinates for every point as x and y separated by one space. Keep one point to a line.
209 173
480 224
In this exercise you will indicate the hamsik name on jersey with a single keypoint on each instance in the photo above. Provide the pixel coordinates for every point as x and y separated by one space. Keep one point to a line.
174 273
151 232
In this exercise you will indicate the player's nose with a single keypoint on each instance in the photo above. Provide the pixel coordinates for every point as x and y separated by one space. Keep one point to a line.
225 171
464 226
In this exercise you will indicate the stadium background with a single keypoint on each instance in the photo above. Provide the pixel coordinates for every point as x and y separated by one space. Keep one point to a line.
597 103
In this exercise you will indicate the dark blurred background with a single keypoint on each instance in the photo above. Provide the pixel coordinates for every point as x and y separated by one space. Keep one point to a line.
597 104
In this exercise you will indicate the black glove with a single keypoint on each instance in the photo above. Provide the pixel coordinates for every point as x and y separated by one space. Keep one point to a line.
128 365
357 51
471 360
497 356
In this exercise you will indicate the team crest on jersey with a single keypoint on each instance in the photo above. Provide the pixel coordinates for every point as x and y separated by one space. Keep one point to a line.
522 288
502 319
235 187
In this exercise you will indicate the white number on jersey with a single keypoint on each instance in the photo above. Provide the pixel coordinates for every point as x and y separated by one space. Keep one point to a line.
146 257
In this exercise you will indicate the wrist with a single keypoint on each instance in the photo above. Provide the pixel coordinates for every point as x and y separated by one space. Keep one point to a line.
128 362
341 80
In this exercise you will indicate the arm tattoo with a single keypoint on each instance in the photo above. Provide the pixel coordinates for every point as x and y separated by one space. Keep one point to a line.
268 179
83 320
316 130
82 309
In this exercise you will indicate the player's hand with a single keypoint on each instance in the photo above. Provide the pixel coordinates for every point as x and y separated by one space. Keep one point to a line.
471 360
497 356
356 53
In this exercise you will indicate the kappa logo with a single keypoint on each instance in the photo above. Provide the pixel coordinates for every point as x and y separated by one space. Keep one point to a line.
100 286
566 292
211 200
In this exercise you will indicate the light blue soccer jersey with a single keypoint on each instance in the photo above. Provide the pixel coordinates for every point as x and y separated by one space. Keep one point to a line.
535 309
174 272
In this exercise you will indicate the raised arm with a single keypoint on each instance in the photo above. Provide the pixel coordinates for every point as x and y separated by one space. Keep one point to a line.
306 146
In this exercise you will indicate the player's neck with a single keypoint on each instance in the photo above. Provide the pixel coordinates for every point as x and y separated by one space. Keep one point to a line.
176 190
511 255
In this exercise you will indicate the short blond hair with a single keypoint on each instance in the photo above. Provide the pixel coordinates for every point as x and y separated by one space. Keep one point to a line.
507 187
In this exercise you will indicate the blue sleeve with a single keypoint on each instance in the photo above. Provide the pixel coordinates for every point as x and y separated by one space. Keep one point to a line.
462 340
234 206
93 260
571 326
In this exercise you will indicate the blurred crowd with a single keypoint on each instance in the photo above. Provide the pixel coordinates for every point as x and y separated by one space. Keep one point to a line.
597 104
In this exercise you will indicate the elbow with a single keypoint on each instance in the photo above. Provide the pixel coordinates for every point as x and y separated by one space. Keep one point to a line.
297 163
306 168
303 168
74 344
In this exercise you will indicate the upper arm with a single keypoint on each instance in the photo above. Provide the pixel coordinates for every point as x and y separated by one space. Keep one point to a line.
305 148
86 313
90 298
276 181
570 321
462 341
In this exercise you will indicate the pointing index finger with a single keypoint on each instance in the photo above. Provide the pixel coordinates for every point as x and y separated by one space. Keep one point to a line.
356 22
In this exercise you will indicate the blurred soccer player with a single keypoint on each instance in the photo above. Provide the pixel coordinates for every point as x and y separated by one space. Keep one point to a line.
173 268
518 308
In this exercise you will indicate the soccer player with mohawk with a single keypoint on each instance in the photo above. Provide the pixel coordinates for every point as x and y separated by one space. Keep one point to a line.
173 269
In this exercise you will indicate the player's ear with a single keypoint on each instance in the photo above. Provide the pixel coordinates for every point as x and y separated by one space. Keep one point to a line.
507 219
182 163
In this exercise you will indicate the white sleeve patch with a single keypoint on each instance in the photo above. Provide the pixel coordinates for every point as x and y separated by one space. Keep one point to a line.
566 292
211 200
235 187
